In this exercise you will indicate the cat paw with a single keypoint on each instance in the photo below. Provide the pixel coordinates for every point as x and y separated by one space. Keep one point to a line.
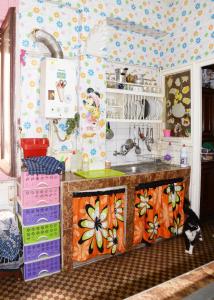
188 251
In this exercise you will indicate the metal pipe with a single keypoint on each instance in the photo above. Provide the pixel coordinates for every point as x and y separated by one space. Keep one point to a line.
49 41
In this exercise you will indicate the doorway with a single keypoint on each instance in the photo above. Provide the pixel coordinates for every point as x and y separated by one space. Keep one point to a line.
207 155
197 132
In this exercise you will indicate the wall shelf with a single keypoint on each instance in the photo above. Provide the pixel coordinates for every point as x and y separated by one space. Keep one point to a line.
133 121
133 92
120 24
133 102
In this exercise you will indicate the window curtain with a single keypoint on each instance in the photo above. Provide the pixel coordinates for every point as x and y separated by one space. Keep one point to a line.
98 224
158 210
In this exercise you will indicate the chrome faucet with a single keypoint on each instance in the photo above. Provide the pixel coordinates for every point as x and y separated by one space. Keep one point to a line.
123 150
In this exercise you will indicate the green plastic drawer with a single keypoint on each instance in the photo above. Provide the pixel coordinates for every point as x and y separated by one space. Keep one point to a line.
39 233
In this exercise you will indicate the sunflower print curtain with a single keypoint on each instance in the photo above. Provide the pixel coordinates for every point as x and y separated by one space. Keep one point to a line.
158 210
98 224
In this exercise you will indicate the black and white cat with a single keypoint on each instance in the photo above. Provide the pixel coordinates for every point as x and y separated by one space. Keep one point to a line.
192 229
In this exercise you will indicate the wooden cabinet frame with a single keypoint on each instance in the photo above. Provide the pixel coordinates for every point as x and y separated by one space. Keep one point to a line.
7 93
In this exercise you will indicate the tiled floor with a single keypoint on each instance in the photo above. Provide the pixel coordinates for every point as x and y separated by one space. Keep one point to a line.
118 277
193 285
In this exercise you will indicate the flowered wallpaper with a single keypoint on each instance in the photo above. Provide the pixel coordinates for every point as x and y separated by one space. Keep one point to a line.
184 43
132 47
70 27
190 24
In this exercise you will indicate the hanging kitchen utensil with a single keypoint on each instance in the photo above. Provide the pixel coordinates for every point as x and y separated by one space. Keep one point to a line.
147 140
137 148
141 133
109 132
151 135
129 144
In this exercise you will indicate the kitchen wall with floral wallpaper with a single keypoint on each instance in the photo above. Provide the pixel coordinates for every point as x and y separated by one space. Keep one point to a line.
184 43
63 23
131 47
190 24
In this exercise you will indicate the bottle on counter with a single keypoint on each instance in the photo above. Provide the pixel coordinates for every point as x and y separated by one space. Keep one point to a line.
85 164
168 154
183 156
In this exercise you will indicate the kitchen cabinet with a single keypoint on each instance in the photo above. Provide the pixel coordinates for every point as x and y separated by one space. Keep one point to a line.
158 210
207 114
98 223
207 201
74 210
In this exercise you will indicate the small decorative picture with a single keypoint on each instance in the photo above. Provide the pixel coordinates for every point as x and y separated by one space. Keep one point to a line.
51 95
178 104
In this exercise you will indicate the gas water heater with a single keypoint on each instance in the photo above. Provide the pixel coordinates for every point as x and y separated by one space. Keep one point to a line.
58 88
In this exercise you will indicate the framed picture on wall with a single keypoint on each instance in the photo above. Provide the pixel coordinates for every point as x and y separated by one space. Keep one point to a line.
178 103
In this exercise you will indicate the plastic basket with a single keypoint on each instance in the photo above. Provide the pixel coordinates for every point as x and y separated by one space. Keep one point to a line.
39 181
38 215
34 146
41 250
38 197
39 233
41 268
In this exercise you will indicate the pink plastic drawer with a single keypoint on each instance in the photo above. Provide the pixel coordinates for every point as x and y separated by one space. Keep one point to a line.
39 181
38 197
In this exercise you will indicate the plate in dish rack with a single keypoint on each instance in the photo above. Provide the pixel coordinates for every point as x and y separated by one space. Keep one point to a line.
145 109
152 109
159 109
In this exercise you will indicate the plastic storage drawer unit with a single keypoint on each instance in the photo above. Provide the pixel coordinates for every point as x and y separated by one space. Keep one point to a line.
41 268
38 215
39 181
38 197
41 250
39 233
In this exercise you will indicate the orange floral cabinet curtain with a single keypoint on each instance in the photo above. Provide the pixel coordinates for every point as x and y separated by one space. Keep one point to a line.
158 210
98 223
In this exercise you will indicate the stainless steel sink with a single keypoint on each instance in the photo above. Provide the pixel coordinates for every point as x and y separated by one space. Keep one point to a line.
142 167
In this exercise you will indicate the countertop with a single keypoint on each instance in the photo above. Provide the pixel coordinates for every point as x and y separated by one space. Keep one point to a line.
152 169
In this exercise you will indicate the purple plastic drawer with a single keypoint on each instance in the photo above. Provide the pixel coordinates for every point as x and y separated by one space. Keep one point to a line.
39 181
41 250
41 268
38 215
38 197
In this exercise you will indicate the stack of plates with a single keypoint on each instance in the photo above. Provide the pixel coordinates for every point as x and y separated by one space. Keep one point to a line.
155 109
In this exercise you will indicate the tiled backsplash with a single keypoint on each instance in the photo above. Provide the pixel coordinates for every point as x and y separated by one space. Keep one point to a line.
176 145
123 131
159 147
